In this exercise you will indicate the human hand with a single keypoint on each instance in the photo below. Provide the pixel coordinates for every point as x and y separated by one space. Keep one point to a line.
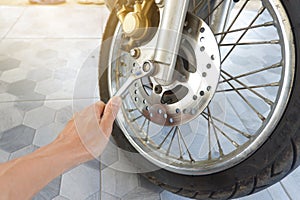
89 130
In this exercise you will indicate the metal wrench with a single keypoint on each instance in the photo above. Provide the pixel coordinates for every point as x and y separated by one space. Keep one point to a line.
146 70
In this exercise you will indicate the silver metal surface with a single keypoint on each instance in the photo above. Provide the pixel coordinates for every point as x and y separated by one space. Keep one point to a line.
198 84
136 73
251 97
169 38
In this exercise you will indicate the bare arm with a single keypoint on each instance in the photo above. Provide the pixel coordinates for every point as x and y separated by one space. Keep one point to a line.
84 137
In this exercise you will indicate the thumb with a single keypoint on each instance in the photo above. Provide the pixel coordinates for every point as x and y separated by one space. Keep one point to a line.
110 113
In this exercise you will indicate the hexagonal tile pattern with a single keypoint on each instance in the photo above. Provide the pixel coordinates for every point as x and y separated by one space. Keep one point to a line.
106 196
145 183
39 74
80 183
4 156
94 164
95 196
48 86
13 75
139 193
118 183
9 63
5 97
63 115
165 195
9 117
16 138
39 117
24 90
22 152
28 105
59 197
110 155
3 86
50 191
47 134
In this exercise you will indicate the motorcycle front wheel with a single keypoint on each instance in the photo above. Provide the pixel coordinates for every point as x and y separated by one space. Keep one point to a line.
247 137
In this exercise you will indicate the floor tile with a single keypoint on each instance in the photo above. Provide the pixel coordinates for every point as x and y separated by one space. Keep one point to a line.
4 156
265 195
50 191
26 106
8 17
80 182
140 193
291 184
95 196
13 75
39 117
8 63
277 192
16 138
47 134
145 183
10 116
22 152
110 155
60 22
118 183
106 196
24 90
166 195
64 114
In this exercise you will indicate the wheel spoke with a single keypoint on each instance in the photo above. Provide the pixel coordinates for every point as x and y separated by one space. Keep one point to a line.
268 101
171 142
266 24
164 140
229 126
213 10
221 152
184 143
244 33
253 72
275 84
251 43
246 101
234 20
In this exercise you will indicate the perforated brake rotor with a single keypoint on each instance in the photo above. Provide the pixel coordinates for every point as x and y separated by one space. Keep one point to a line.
194 83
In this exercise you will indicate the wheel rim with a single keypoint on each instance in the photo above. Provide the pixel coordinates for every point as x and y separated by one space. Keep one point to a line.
245 108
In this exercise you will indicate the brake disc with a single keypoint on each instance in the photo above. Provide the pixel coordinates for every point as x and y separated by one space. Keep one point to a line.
194 83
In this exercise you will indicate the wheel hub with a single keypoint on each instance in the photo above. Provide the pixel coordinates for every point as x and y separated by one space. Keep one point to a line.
194 83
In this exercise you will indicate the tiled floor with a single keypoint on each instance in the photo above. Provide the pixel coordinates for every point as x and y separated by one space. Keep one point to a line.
44 53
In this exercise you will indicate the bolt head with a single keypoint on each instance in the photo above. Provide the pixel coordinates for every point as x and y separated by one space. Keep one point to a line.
135 53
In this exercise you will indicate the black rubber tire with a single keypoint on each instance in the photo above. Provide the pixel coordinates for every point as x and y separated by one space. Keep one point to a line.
275 159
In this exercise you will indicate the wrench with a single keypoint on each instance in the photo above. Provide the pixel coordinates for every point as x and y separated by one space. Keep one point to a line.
146 70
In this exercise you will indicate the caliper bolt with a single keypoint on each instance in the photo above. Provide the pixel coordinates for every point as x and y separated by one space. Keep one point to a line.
135 53
157 89
146 67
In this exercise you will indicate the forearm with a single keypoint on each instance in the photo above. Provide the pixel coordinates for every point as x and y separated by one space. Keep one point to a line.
23 177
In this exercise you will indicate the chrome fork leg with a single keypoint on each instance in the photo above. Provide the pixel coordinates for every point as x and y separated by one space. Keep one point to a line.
169 38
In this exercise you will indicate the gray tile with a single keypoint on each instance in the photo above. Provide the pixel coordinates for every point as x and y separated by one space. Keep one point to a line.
9 116
14 75
94 164
6 97
141 194
166 195
265 195
63 115
145 183
84 22
277 192
59 197
24 90
58 101
118 183
95 196
39 74
106 196
80 183
48 86
16 138
3 86
110 155
9 16
4 156
22 152
9 63
50 191
39 117
28 105
291 184
47 134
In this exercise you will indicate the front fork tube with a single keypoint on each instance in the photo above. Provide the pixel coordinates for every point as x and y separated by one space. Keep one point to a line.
169 38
